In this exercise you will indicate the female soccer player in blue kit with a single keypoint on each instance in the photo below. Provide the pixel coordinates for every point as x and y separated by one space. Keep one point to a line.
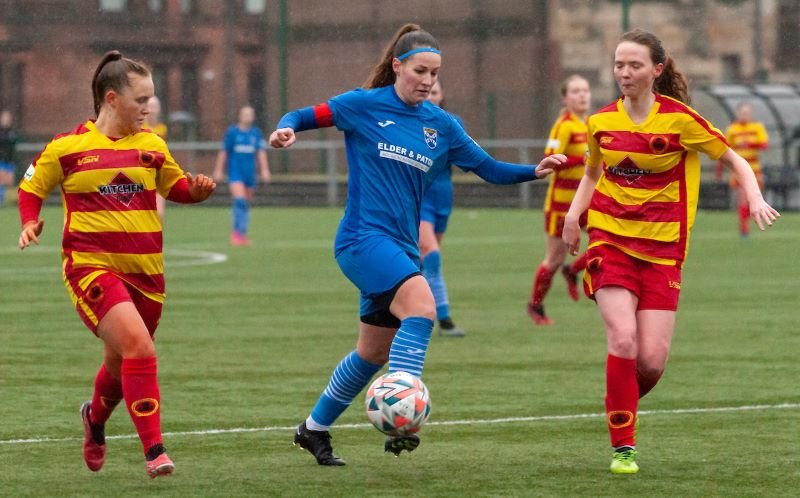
437 204
242 148
396 143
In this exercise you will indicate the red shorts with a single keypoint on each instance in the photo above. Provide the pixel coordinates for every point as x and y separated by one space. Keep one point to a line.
657 286
554 222
108 290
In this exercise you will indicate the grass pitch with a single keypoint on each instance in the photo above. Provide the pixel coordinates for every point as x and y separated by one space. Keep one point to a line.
249 337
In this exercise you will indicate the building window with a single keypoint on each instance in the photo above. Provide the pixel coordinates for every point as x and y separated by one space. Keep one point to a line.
156 6
189 88
255 6
160 74
113 5
731 68
256 90
187 7
787 56
12 80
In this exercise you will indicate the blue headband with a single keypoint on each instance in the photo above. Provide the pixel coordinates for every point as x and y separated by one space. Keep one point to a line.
418 50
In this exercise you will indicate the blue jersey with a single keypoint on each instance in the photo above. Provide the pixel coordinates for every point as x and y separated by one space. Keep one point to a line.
394 151
242 147
439 196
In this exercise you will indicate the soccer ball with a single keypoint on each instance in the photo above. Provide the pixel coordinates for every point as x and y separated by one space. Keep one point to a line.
398 404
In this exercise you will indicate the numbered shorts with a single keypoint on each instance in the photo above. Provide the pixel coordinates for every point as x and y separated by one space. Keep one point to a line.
657 286
378 266
94 299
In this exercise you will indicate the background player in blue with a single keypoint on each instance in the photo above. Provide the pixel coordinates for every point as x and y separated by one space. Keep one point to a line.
436 208
396 143
243 146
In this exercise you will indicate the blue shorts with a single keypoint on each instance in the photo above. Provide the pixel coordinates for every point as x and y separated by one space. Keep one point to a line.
437 217
7 167
377 266
242 175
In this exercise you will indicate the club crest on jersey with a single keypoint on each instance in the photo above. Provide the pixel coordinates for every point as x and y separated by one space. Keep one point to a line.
659 144
431 137
122 188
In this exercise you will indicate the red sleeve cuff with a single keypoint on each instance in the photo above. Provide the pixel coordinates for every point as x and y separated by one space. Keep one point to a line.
29 205
180 192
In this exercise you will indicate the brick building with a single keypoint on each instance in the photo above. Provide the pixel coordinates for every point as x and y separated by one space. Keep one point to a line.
503 59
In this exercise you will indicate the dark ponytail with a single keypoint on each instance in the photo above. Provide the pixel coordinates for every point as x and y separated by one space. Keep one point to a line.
672 82
408 37
112 74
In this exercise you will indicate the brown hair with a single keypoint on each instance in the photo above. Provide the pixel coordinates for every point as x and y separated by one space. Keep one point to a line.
568 80
112 74
672 82
408 37
565 86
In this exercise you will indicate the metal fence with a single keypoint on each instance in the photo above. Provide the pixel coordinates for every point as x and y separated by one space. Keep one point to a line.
329 167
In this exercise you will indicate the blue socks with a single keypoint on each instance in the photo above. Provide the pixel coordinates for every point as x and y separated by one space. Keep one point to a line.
241 215
432 271
349 377
407 353
353 373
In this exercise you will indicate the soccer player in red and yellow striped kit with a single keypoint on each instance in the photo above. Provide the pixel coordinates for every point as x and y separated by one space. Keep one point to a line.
748 138
568 137
109 171
640 186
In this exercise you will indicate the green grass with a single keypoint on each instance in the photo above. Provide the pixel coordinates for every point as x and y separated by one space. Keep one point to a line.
250 343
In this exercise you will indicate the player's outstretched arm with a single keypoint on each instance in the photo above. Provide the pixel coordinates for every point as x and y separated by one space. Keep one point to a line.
282 138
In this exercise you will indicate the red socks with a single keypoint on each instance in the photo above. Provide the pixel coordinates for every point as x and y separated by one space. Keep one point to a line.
744 219
107 394
579 264
541 284
622 400
140 388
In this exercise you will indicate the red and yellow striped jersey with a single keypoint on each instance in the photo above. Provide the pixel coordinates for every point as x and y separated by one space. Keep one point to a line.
646 199
748 139
108 191
567 137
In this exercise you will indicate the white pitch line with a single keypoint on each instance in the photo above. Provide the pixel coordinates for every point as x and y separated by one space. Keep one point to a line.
541 418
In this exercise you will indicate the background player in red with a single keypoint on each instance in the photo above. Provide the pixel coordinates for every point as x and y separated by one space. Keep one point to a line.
568 137
640 186
748 138
108 171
